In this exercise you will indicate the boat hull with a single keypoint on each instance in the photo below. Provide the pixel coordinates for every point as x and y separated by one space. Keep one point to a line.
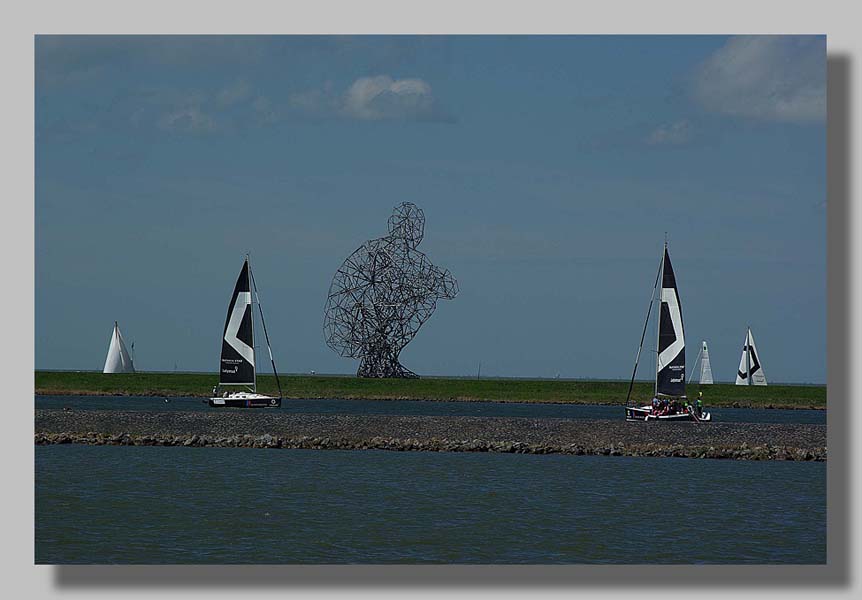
644 413
245 401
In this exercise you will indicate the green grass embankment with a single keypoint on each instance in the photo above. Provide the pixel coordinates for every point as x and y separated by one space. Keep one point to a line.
426 388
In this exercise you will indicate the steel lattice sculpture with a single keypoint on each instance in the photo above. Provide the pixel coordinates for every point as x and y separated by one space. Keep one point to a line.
382 294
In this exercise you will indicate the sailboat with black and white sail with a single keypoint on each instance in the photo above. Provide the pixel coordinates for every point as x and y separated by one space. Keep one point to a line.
750 370
237 366
669 402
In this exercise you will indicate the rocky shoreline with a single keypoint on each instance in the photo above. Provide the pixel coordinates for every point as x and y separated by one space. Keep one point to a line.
160 394
278 429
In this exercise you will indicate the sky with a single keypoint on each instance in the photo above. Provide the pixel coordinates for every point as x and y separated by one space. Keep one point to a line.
549 169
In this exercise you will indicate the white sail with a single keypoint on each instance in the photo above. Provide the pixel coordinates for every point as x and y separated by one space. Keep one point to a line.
750 370
705 368
118 360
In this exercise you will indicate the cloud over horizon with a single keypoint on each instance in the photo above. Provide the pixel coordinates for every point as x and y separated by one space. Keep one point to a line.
378 98
676 133
770 77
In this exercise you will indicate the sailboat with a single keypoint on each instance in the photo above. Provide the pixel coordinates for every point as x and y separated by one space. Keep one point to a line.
237 365
118 360
750 370
669 403
702 361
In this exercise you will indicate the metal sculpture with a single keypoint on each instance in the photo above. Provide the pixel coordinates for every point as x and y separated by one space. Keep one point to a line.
382 294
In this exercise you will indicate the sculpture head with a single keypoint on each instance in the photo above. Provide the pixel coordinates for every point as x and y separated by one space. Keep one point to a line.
408 223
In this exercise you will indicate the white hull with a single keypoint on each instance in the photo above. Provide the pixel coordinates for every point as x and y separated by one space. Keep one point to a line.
644 413
244 400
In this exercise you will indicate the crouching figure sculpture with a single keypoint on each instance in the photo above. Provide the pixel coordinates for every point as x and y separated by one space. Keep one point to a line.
382 294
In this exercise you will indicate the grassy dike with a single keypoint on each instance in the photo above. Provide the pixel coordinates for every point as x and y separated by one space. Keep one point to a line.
427 388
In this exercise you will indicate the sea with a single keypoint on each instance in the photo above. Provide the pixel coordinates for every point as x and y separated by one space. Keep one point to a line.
177 505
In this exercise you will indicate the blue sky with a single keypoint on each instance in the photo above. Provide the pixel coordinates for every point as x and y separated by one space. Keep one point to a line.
549 169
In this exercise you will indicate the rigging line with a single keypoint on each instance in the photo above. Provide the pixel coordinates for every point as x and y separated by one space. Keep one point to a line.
694 367
265 334
643 335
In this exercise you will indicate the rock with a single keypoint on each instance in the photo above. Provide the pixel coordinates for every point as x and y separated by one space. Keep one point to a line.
742 441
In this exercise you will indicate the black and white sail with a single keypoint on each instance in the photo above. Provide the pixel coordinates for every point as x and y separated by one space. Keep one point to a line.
237 349
670 365
750 370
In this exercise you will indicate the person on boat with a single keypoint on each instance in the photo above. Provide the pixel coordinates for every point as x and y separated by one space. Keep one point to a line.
655 405
699 404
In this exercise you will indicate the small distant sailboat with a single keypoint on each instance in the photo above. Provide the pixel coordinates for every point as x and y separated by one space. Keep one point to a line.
237 365
702 362
750 370
118 360
669 403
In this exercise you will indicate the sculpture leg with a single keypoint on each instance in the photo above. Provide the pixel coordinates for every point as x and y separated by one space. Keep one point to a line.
383 362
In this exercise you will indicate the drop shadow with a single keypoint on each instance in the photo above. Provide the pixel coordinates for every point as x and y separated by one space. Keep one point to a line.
836 573
839 517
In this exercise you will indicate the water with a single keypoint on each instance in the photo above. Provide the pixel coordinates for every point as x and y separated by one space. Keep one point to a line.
420 407
126 504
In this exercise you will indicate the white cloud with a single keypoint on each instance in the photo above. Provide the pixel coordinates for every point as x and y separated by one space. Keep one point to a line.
314 102
264 110
190 119
671 133
233 94
382 97
374 99
780 78
236 105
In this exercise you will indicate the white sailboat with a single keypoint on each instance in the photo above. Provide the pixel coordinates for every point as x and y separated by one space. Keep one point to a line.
750 370
118 360
702 364
669 402
237 364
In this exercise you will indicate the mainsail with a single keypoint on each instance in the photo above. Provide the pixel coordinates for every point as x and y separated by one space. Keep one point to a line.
237 349
118 359
670 364
705 368
750 370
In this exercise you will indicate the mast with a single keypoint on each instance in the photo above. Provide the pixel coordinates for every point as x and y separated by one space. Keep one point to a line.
265 334
748 355
643 334
658 321
254 366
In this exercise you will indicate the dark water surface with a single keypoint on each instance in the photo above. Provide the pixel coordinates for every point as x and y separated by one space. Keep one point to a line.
127 504
424 407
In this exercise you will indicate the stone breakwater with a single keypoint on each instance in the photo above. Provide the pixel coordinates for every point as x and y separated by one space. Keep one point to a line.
282 429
